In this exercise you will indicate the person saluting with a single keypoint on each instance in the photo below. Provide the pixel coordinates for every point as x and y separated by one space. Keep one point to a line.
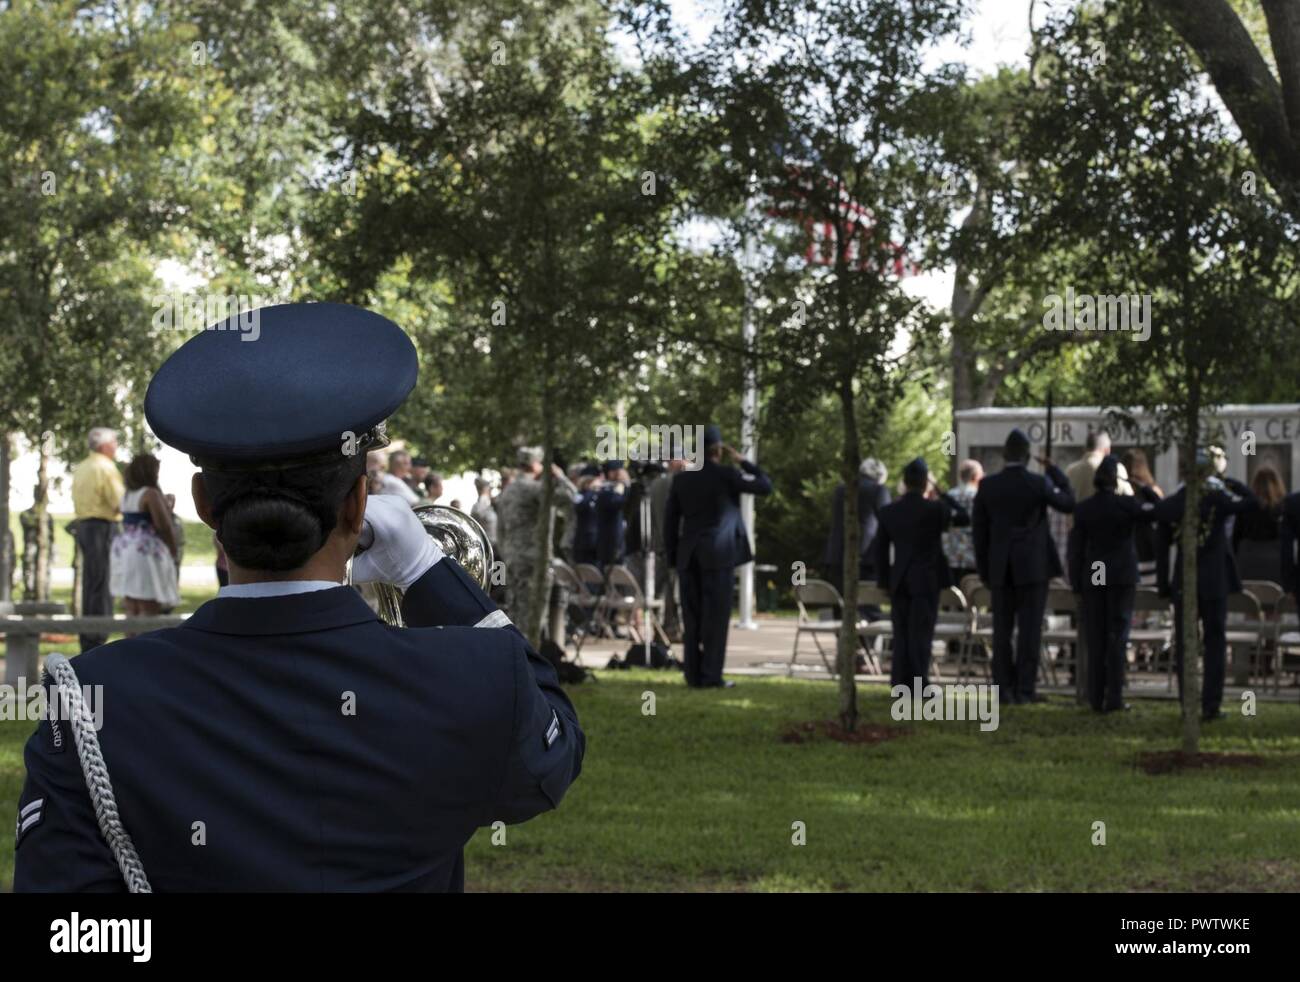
284 738
1103 565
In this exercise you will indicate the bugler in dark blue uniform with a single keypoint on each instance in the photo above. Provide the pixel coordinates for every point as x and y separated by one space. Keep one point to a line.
237 720
284 739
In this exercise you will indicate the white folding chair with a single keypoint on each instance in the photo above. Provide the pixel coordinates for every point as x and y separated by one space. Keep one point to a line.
594 580
955 624
980 604
1062 605
1154 612
623 595
812 598
1286 639
1268 593
874 635
1246 627
580 599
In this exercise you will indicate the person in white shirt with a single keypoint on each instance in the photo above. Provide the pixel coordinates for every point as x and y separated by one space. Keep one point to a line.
394 481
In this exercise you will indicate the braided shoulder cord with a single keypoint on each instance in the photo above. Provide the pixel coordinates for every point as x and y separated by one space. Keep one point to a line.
95 771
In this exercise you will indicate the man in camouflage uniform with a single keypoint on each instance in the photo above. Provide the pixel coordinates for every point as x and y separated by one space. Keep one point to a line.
518 507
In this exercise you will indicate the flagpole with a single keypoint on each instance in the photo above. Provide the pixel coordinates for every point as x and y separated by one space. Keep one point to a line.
749 409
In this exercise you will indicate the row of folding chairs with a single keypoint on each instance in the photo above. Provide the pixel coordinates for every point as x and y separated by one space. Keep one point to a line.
817 597
1262 623
601 602
1261 627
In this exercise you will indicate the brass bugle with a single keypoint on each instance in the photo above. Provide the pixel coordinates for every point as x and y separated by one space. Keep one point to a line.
458 535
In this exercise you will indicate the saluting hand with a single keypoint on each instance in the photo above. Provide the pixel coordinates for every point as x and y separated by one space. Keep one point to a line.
734 454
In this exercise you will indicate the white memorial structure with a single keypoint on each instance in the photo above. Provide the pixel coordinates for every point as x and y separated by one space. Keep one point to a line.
1272 432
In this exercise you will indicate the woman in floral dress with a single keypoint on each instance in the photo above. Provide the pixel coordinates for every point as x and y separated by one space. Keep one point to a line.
143 558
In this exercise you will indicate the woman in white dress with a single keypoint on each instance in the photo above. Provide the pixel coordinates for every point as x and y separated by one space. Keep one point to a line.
143 559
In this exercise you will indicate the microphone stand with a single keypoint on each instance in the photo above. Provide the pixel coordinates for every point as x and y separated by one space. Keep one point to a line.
647 547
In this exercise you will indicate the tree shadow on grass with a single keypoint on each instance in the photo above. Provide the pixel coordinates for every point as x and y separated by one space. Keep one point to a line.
829 729
1172 761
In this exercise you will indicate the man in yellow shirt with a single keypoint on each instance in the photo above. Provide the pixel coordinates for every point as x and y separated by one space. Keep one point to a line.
97 491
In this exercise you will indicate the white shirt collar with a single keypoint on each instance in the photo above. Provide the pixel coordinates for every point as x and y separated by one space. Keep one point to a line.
275 588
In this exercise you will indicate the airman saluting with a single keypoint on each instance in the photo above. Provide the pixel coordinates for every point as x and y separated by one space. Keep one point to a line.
1015 556
284 739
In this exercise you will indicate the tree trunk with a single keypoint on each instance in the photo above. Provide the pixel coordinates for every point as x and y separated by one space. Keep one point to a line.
963 370
41 509
8 555
1188 537
963 307
847 648
963 384
1265 110
538 589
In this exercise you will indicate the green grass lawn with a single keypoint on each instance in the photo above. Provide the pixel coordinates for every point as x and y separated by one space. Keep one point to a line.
703 795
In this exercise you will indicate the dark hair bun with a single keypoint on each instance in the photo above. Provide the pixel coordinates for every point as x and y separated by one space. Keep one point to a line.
277 520
270 532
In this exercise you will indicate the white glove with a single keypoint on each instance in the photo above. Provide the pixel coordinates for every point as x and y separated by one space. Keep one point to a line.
402 551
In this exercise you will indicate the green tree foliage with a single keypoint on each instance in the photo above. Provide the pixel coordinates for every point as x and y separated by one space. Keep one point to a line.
94 124
520 176
1253 62
263 74
821 110
1000 273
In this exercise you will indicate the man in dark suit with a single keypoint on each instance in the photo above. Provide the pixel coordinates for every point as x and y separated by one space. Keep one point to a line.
1015 556
1103 563
706 539
284 739
1216 570
872 496
1289 538
916 571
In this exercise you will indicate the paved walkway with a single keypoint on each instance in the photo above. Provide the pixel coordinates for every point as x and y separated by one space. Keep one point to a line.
766 651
